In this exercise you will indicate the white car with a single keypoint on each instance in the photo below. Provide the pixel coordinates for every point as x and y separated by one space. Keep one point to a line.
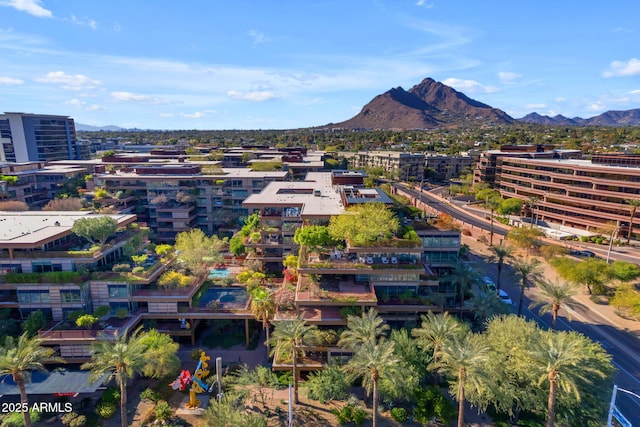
504 297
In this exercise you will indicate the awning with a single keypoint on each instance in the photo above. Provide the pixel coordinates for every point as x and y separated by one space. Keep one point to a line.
58 381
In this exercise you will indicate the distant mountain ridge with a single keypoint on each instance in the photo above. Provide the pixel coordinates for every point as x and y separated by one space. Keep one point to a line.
608 118
427 105
88 128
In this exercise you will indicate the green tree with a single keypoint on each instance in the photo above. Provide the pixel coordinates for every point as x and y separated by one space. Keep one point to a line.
369 361
18 358
434 331
313 236
463 358
95 229
510 206
634 203
525 238
121 358
263 308
287 341
363 329
552 296
364 224
593 273
195 250
34 322
565 361
163 250
624 271
86 321
160 354
236 246
328 384
528 271
500 254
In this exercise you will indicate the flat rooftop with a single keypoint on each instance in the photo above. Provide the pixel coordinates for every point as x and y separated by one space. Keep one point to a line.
34 228
315 196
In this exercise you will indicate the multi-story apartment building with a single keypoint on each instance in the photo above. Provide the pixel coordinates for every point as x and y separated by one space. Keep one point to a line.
176 196
583 194
36 182
445 167
33 137
406 166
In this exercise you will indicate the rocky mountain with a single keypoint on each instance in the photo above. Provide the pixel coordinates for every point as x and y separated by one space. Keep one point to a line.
426 105
608 118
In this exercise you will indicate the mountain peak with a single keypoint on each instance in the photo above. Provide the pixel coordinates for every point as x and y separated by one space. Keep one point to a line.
426 105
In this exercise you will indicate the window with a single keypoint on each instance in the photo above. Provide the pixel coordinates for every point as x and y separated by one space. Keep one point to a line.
118 291
34 297
41 266
70 296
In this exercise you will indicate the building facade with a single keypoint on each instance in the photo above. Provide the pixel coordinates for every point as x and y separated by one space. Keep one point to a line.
33 137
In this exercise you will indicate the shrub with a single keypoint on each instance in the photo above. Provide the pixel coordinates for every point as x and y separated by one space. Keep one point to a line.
73 419
149 394
399 414
174 279
16 419
111 395
86 321
327 385
106 410
122 313
137 270
102 311
121 268
350 413
162 410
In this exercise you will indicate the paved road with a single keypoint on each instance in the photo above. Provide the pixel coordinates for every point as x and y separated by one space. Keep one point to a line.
444 207
623 346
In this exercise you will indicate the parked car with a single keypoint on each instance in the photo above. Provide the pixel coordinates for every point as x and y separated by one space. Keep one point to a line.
504 297
585 254
491 286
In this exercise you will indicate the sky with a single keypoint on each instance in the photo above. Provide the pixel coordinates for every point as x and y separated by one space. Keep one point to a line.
287 64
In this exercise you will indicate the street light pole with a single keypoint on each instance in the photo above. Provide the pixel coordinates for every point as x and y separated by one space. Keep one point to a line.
613 232
614 412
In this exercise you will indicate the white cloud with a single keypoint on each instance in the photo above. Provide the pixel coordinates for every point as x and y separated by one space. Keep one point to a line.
258 37
10 81
196 115
32 7
258 96
167 115
508 78
423 3
596 106
623 69
469 86
137 98
635 92
86 22
83 105
535 106
68 81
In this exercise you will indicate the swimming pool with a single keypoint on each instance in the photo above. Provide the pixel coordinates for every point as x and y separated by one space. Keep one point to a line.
214 273
224 296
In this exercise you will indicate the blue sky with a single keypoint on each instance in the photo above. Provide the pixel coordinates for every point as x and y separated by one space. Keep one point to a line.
285 64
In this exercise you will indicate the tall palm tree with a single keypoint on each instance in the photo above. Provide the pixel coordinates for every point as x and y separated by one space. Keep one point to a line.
366 328
532 202
463 278
634 203
435 330
500 254
553 296
287 339
463 358
18 358
369 361
121 358
565 360
528 271
263 307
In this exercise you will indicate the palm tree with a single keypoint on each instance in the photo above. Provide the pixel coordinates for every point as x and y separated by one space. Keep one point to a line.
436 329
499 254
18 358
263 307
463 357
369 361
121 358
288 337
366 328
634 203
528 271
532 202
491 199
552 296
464 278
565 360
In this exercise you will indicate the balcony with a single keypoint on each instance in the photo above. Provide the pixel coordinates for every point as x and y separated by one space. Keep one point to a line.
334 291
108 329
